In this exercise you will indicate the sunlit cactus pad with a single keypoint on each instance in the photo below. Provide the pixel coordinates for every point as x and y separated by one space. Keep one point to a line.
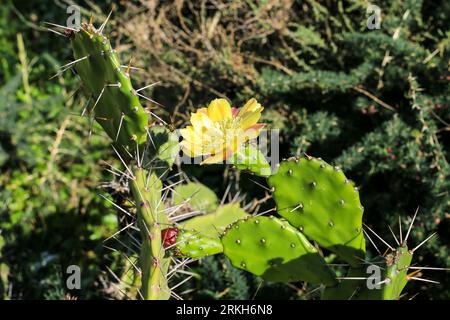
114 102
318 199
194 245
214 223
273 249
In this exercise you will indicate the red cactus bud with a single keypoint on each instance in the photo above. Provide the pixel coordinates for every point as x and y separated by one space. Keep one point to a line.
169 237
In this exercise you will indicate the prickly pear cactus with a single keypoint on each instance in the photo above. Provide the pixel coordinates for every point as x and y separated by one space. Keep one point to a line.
273 249
320 201
115 104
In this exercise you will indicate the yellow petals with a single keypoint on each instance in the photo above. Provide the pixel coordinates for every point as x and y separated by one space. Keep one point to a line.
250 119
219 109
219 130
251 106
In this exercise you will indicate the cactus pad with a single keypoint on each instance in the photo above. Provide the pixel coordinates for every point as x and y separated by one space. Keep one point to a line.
273 249
194 245
115 104
213 224
319 200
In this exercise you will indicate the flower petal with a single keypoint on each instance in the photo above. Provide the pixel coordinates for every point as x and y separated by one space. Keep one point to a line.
219 110
251 106
250 119
253 132
193 149
200 120
234 112
218 157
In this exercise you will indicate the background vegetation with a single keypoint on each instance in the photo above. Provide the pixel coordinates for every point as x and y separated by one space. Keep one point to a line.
372 101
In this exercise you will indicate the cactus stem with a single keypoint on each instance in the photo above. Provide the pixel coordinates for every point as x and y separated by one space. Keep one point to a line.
152 251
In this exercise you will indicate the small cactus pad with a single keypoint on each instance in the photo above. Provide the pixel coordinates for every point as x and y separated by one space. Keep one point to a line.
273 249
213 224
197 196
319 200
114 102
194 245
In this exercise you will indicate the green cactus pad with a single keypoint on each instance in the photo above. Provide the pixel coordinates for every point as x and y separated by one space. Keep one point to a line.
195 245
115 104
198 197
273 249
213 224
319 200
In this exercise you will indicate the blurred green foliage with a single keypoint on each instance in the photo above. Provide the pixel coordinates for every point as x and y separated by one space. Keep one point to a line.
50 173
372 101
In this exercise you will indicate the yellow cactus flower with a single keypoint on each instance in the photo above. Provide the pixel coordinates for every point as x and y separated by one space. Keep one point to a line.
217 132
